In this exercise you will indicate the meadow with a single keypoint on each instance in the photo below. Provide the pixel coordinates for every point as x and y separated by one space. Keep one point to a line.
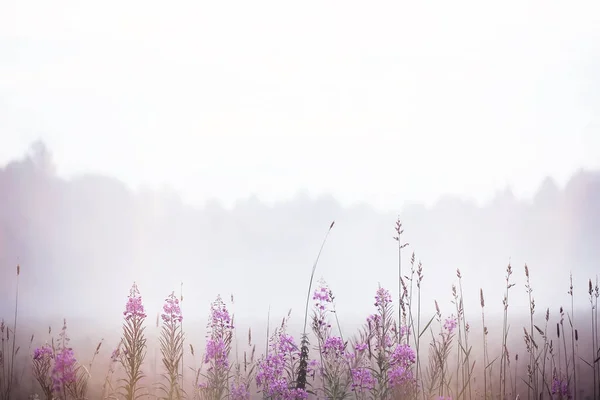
408 348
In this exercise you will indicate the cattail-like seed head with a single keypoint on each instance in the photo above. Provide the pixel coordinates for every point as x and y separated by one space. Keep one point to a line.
558 330
482 300
547 314
18 269
526 271
576 335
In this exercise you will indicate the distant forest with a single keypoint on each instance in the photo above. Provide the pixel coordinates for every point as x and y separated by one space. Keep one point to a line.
90 234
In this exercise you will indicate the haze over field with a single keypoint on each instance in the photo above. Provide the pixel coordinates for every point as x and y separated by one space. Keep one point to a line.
214 143
82 242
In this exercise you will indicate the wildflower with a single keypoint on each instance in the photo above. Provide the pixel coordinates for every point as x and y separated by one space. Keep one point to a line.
560 387
63 373
403 355
134 342
171 310
450 324
382 297
323 296
134 307
43 352
220 323
274 370
361 347
362 379
216 351
239 391
334 345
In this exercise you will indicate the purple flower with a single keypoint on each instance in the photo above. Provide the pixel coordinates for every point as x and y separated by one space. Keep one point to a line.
399 375
63 373
403 355
361 347
171 310
450 324
239 391
323 296
362 379
43 352
220 323
216 351
382 297
334 346
272 376
134 307
560 387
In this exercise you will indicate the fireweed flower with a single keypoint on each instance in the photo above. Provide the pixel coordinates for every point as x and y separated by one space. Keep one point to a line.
382 297
274 370
42 362
401 360
362 380
218 347
220 321
450 324
171 345
334 346
171 310
216 352
63 372
560 388
322 295
43 352
134 342
239 391
134 306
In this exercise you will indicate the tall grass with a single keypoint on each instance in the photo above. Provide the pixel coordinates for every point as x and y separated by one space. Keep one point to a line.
408 353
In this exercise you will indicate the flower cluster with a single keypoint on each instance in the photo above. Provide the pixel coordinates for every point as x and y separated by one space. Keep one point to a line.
134 307
216 352
63 372
322 296
382 297
401 360
171 310
334 346
239 391
43 352
220 323
274 369
362 379
450 324
560 387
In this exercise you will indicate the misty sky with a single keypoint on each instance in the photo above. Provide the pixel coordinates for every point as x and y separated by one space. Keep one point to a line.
382 102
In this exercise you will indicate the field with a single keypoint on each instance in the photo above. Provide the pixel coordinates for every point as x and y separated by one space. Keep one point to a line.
404 350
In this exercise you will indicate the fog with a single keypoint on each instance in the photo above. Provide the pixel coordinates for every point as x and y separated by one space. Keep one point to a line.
82 242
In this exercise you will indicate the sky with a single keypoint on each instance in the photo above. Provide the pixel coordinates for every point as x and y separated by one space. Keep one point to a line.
382 102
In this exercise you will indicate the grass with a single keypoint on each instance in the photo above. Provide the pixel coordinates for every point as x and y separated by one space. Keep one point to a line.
408 352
